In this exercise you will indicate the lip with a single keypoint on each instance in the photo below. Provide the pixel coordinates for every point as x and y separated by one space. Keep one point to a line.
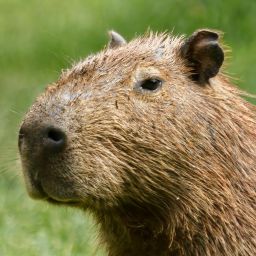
59 202
54 200
34 188
38 192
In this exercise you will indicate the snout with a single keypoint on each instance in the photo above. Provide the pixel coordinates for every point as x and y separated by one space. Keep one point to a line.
48 139
41 145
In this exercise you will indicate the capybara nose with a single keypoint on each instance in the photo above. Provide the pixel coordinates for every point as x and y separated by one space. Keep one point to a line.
43 138
54 139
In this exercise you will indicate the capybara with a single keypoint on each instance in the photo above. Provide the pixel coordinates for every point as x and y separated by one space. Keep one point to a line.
153 140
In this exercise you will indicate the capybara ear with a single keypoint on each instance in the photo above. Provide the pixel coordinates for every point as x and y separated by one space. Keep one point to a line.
204 55
116 40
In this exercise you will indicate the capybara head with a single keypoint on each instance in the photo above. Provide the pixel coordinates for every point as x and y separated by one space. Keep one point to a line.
154 141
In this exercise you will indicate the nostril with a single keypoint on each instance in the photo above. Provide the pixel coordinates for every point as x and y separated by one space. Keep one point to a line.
55 139
55 135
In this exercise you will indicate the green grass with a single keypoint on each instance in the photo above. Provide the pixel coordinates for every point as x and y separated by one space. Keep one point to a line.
37 40
34 228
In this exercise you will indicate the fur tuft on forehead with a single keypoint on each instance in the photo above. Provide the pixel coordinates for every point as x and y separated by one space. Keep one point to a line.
151 47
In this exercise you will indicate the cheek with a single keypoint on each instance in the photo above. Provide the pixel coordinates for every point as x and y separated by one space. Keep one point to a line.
97 166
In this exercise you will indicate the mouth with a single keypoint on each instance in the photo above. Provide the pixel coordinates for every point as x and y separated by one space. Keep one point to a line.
67 202
37 191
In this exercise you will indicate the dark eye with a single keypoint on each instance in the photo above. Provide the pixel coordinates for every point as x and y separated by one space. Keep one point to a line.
151 84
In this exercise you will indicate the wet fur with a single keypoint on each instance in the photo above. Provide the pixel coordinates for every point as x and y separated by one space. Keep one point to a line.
170 173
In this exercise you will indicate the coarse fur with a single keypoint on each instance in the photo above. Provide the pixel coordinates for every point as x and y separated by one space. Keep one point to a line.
170 172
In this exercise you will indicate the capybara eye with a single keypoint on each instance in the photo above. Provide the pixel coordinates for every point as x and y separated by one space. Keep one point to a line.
151 84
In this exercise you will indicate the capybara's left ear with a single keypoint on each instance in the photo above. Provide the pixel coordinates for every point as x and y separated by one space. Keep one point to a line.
116 40
203 54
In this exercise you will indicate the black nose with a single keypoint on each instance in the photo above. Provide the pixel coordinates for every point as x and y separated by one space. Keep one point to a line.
42 138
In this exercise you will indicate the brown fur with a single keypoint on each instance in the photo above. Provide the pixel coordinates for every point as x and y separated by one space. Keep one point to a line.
166 173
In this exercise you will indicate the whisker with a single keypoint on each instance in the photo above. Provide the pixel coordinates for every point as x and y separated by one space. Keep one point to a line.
16 112
3 170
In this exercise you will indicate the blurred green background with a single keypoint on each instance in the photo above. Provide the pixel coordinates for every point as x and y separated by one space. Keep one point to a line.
37 40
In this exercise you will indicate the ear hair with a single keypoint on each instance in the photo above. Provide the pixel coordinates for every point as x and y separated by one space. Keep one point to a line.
116 40
203 55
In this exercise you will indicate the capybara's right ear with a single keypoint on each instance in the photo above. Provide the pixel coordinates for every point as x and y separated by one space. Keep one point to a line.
203 55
